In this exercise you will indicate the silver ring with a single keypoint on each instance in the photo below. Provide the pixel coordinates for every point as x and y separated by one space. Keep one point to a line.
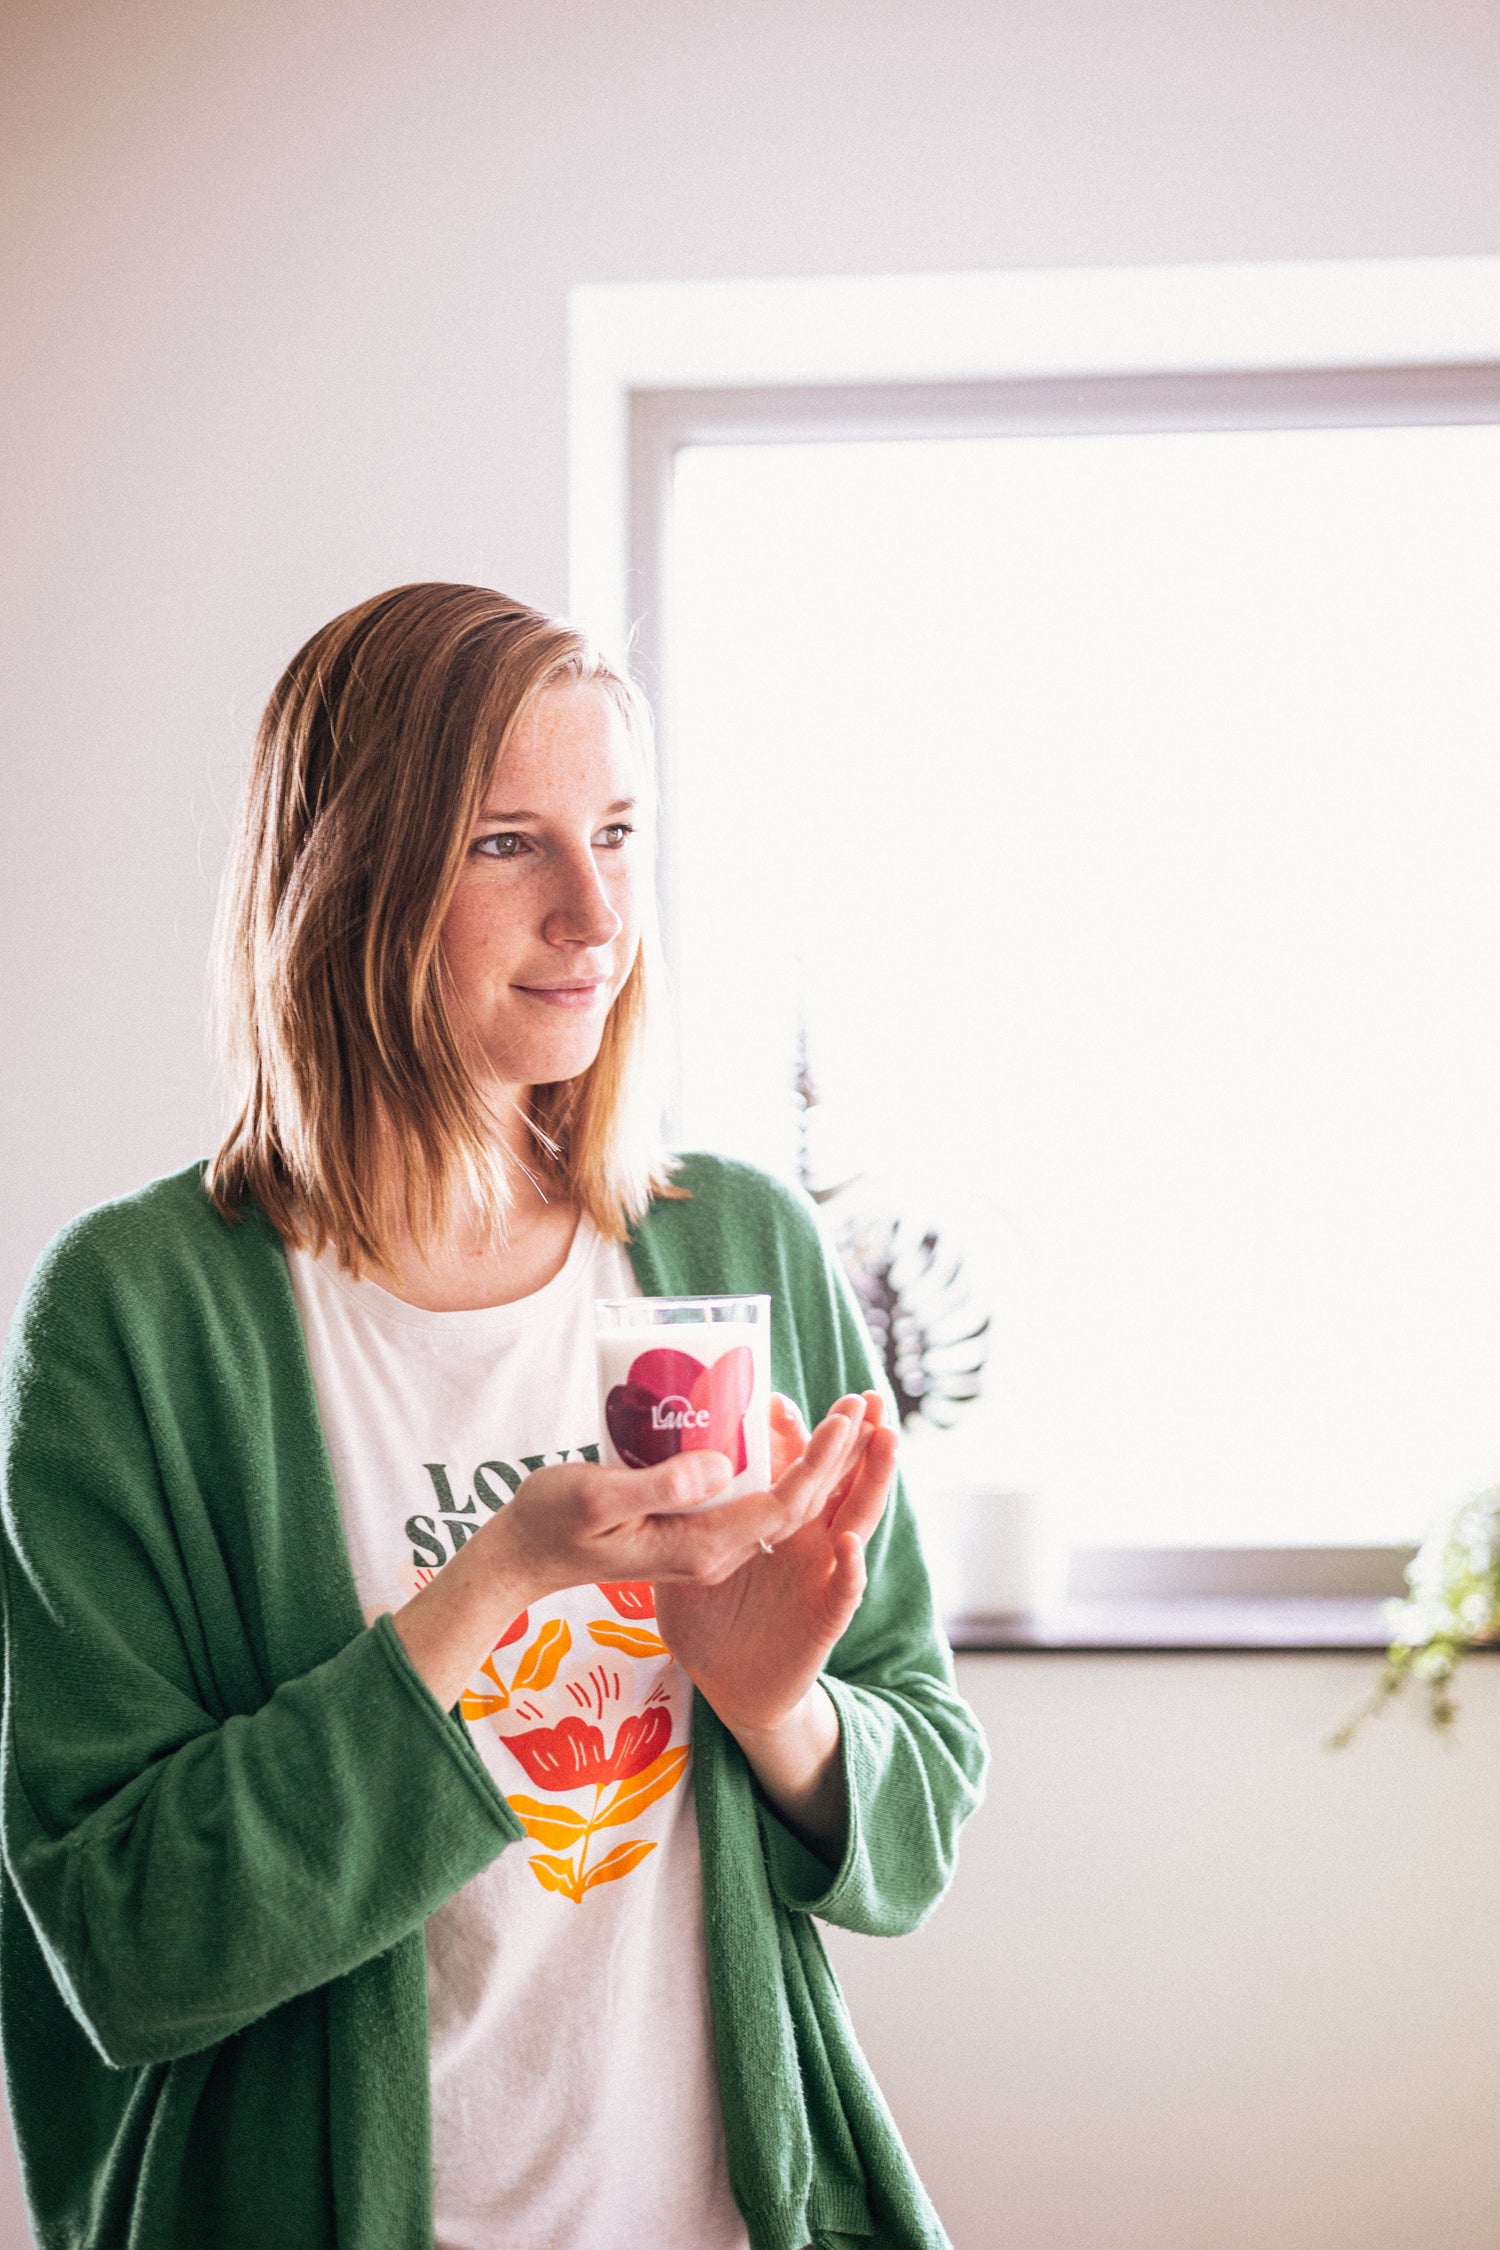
766 1548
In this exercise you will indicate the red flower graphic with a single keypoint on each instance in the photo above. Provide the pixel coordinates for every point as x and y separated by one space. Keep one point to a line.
671 1403
571 1754
632 1597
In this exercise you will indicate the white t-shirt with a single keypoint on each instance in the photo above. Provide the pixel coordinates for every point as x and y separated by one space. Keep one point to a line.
575 2097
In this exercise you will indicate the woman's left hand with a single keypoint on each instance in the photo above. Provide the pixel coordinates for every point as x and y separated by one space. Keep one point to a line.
755 1643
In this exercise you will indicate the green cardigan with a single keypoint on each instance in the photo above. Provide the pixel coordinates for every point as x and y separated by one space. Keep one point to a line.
228 1804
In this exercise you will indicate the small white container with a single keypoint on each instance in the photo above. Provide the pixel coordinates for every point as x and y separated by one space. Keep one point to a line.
993 1553
684 1375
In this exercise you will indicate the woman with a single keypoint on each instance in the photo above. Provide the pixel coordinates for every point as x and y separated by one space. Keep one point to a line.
411 1826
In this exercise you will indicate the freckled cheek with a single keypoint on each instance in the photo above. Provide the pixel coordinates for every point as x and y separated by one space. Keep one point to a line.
477 942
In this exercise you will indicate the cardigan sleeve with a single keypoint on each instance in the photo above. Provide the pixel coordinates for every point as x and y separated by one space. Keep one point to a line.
193 1843
914 1758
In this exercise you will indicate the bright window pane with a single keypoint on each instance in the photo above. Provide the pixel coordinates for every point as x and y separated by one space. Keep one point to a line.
1127 810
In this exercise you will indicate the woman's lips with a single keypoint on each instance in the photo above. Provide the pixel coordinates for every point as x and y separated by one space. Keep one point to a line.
563 995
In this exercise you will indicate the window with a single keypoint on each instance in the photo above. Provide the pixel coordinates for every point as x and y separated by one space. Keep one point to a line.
1103 770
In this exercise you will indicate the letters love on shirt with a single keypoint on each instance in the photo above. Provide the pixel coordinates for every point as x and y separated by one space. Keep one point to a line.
494 1482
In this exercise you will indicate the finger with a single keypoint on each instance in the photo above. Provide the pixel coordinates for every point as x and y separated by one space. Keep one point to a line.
729 1535
850 1411
864 1432
845 1585
712 1543
862 1506
805 1489
687 1480
830 1448
766 1518
788 1434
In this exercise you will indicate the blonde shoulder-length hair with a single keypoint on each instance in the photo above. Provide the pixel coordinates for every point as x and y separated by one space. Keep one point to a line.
357 1118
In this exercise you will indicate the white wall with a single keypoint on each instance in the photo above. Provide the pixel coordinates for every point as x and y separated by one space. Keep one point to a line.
291 287
285 295
1200 1983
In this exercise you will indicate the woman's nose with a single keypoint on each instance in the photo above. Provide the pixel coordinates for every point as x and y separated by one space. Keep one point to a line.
582 912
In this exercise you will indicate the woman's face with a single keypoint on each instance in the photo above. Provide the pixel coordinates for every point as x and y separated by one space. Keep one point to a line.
543 929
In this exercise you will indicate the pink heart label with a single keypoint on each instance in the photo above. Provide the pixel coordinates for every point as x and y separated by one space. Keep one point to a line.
671 1403
723 1391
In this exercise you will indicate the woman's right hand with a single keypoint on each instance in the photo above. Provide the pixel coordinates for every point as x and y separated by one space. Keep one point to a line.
581 1524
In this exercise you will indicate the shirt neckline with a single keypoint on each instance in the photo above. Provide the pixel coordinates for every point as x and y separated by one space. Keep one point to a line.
387 1311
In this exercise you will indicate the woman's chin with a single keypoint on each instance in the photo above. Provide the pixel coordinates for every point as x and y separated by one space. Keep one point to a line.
544 1062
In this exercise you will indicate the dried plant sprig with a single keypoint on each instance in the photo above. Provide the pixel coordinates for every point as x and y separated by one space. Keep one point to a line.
909 1284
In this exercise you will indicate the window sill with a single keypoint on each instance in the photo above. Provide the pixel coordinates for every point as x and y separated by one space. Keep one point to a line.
1225 1624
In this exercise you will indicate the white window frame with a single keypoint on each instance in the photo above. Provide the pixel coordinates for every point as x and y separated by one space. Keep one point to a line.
656 366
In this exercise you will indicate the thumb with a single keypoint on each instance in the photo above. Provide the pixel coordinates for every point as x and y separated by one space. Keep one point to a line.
688 1479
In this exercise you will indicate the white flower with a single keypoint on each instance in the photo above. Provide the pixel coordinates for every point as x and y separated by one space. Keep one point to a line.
1418 1620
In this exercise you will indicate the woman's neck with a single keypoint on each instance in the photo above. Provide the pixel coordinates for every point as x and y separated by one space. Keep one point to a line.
467 1269
463 1272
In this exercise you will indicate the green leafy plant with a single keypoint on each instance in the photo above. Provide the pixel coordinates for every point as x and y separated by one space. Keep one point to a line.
1453 1601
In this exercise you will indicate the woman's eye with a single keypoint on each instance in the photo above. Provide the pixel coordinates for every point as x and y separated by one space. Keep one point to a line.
510 843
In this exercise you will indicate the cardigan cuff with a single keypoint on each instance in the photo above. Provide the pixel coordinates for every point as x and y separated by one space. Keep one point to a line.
451 1728
799 1879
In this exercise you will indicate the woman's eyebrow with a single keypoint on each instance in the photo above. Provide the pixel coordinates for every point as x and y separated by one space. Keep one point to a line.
621 804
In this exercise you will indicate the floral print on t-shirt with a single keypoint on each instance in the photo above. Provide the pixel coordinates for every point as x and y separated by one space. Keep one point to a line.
588 1707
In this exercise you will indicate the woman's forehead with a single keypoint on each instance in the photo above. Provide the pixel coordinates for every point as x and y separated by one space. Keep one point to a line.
570 738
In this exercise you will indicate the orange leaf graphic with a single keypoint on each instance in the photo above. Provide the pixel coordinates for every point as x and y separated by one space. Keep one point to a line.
480 1706
557 1825
634 1640
555 1874
488 1669
641 1790
538 1667
617 1863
